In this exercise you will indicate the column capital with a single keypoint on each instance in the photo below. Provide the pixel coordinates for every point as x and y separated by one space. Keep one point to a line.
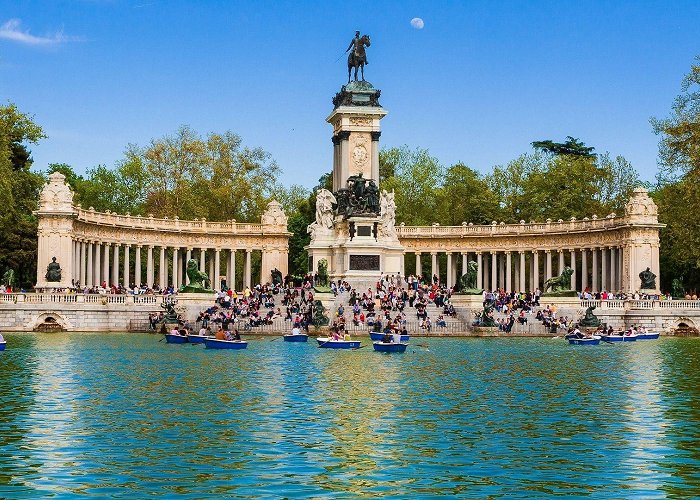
521 252
433 253
449 253
493 252
418 253
479 252
548 251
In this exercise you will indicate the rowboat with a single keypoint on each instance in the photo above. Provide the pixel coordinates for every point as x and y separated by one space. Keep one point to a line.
595 340
329 343
295 337
380 336
210 343
619 338
389 346
172 338
196 339
648 336
2 345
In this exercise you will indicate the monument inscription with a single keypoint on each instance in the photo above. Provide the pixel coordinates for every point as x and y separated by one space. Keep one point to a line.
364 262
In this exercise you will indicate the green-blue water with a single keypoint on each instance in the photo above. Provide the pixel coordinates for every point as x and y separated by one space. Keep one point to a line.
126 415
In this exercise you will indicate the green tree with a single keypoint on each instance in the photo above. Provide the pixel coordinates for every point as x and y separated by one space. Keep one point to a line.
678 196
416 177
508 182
571 147
465 197
19 188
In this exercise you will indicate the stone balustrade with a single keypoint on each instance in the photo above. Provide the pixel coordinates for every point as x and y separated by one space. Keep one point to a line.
73 298
646 304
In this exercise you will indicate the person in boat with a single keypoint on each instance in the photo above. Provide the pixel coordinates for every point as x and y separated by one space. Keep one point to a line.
2 339
220 335
203 331
174 331
296 331
236 335
577 333
387 338
228 335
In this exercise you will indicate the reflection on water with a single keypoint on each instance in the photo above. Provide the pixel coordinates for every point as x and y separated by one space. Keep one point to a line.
526 418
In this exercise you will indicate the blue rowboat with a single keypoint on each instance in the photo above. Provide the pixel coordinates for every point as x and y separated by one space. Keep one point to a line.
295 337
389 346
175 339
2 345
210 343
647 336
196 339
329 343
595 340
380 336
619 338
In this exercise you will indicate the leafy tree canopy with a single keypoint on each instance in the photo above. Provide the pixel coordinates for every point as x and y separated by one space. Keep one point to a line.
571 146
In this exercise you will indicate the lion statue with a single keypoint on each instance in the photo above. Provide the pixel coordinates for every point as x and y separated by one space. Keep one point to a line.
199 281
559 283
276 276
467 282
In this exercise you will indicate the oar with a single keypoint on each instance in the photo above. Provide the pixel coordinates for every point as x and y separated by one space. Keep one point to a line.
356 348
321 345
276 338
422 345
161 340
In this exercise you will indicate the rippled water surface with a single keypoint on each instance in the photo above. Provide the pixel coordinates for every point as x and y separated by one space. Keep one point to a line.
127 415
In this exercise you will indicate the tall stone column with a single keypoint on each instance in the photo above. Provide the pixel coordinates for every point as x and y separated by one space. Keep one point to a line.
536 270
604 279
83 263
433 266
480 270
548 264
98 265
115 265
419 271
187 259
75 256
212 275
137 267
127 280
502 271
217 268
523 287
248 270
584 269
494 271
202 259
162 270
561 261
465 262
176 268
105 262
90 270
343 136
508 285
449 270
149 267
594 273
232 257
573 268
613 271
375 156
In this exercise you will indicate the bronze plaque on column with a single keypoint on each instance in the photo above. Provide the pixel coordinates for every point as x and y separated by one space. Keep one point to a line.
364 262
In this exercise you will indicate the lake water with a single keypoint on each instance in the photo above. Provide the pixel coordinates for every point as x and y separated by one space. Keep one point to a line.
127 415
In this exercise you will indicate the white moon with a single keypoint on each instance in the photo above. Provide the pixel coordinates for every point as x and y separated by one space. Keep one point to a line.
417 23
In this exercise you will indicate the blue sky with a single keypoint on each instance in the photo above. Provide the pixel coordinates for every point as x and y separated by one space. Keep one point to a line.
477 84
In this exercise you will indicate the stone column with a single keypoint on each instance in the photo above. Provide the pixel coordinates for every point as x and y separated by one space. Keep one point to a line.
98 265
433 266
508 286
127 280
75 253
83 263
162 270
90 269
522 285
561 261
247 269
536 269
187 259
480 269
548 265
419 271
620 271
449 270
494 271
613 275
105 263
212 275
604 281
202 259
137 267
232 257
584 269
344 137
115 265
502 271
176 268
375 159
465 262
149 267
217 268
573 268
594 273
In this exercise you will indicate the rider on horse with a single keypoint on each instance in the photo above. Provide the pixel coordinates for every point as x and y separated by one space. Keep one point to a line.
359 49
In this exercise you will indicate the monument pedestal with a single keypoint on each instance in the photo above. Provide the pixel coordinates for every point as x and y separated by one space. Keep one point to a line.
189 305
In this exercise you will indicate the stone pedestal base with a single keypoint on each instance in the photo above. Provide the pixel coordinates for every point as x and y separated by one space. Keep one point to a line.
469 304
189 305
561 303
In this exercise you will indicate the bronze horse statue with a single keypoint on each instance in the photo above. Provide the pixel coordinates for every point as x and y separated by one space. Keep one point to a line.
357 57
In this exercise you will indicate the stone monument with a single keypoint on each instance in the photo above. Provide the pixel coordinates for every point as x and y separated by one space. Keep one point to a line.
354 230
